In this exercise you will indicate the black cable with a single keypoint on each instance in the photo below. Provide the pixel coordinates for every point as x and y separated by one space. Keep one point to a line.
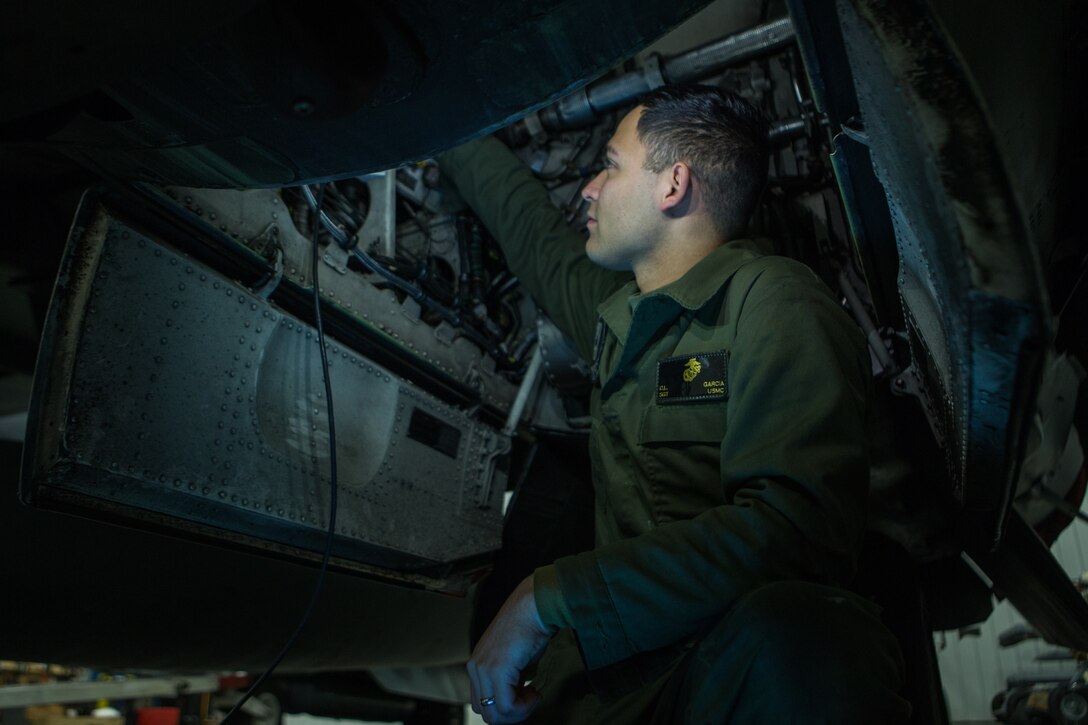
332 484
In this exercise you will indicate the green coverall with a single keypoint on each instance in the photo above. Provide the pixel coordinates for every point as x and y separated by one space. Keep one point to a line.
729 452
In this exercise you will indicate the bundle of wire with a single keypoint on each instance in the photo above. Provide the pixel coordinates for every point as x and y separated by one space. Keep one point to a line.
304 620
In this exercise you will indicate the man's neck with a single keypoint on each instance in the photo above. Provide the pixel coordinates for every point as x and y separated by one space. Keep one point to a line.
682 248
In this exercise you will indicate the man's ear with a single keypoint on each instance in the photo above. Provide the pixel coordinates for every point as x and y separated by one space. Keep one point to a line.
676 189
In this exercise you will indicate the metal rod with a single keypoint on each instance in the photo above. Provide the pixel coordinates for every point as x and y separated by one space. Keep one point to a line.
876 343
532 375
713 57
66 692
583 106
786 130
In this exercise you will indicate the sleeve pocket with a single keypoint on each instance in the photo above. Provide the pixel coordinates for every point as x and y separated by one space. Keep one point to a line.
694 423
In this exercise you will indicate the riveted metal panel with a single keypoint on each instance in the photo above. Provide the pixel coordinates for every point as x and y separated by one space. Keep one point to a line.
171 395
969 271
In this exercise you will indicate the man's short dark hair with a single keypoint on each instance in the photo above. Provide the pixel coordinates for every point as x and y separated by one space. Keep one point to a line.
720 136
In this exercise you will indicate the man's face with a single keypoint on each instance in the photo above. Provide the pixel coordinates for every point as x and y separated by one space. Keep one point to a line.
623 216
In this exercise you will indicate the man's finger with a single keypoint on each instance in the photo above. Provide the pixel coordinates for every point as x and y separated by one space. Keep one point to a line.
518 710
514 702
526 701
474 686
490 690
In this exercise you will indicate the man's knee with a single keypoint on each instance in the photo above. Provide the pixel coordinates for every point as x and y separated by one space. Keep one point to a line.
801 649
804 623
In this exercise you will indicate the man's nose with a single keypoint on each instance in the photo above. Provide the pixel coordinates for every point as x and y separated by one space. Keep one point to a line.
590 190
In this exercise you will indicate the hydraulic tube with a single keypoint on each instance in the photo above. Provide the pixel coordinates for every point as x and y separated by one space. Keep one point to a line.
586 104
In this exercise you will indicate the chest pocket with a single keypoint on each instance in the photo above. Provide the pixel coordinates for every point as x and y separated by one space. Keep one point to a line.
680 454
687 423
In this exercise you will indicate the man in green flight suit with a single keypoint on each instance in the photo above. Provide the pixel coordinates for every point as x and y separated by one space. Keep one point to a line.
728 446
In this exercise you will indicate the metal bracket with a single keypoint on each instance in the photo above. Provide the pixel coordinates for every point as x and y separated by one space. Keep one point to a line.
336 257
495 446
266 290
908 383
651 71
853 130
381 217
445 333
417 190
411 309
535 127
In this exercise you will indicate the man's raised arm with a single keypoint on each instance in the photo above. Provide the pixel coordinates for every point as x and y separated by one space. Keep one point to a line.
540 247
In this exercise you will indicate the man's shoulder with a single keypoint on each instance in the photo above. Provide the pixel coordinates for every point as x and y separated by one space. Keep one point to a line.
772 276
787 296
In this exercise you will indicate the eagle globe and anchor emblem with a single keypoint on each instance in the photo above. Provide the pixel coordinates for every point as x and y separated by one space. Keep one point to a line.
692 369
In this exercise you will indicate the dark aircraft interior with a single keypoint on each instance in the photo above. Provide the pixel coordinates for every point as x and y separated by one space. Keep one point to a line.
171 174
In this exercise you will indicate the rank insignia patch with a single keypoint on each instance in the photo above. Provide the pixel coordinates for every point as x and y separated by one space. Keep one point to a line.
692 378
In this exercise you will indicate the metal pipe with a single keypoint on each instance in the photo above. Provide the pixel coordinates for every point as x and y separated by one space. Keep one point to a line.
528 383
374 266
713 57
787 130
872 335
586 104
331 227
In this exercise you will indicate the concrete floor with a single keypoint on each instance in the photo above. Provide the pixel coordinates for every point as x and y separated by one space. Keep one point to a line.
471 718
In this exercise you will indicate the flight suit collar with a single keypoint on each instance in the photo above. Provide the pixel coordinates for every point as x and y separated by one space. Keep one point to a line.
638 320
693 290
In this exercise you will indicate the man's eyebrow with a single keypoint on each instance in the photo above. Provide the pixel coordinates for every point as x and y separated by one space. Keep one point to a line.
610 150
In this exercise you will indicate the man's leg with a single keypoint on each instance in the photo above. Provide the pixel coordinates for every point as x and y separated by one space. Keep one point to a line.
569 698
791 652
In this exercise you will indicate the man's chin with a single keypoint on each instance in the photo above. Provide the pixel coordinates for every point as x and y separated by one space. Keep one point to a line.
593 251
601 259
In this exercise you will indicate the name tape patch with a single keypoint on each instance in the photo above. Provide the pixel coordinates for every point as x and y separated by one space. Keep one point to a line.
690 378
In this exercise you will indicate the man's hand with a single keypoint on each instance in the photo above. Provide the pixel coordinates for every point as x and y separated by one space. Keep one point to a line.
512 641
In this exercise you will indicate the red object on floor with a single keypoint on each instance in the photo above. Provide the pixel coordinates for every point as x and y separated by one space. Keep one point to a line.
158 716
